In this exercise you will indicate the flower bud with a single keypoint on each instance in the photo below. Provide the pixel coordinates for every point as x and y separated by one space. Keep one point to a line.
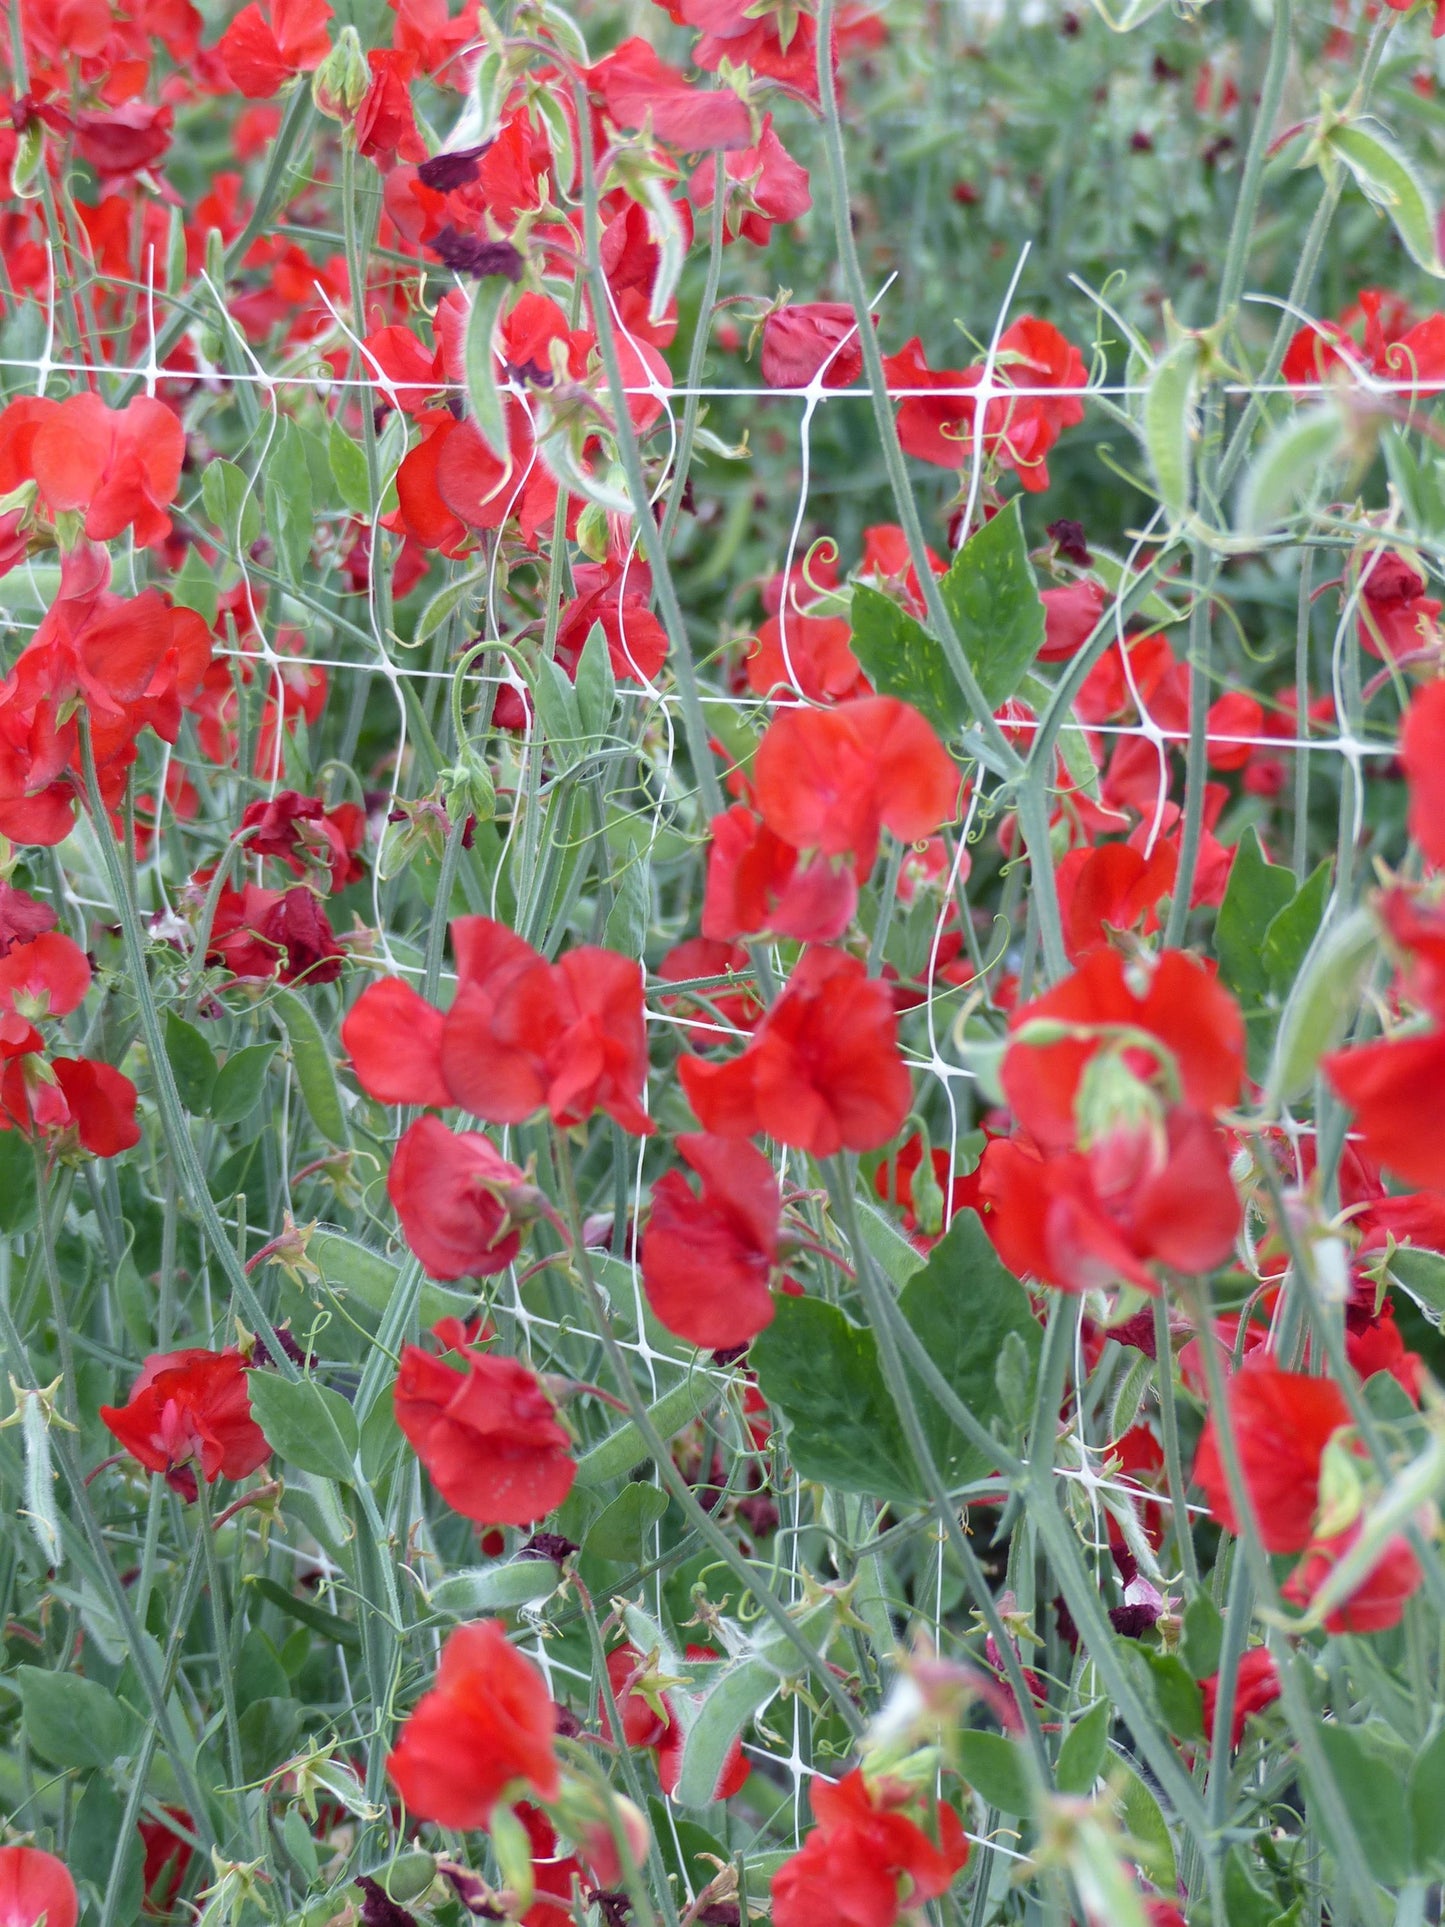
340 83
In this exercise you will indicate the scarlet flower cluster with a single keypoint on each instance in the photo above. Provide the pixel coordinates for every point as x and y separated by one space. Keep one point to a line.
1119 1167
1285 1425
488 1435
866 1861
188 1411
42 1095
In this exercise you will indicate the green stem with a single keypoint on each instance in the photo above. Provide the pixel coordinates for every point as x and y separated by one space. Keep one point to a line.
1169 1425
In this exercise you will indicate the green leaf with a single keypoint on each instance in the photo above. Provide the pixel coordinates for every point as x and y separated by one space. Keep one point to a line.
193 1063
1085 1750
1176 1693
297 1839
561 721
17 1183
193 586
1167 421
1427 1804
488 403
1203 1639
315 1070
899 1256
381 1438
240 1082
1387 178
1148 1829
1421 1274
996 1768
631 912
1291 468
1371 1783
1293 930
268 1729
964 1305
596 685
310 1426
994 600
495 1589
622 1449
230 501
73 1721
289 513
1256 895
445 603
259 1673
348 471
620 1530
900 658
1246 1904
331 1626
822 1373
997 613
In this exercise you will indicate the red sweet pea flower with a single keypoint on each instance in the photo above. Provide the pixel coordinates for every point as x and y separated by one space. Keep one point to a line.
829 779
284 934
1071 614
1378 1601
101 1104
47 977
1282 1422
121 467
706 1261
756 882
455 1195
1034 356
486 1726
263 47
552 1870
865 1862
811 654
799 340
1422 751
763 186
188 1409
635 87
1019 430
385 127
488 1435
309 838
1397 618
35 1886
167 1857
1137 1197
822 1071
570 1035
1393 1088
1112 887
22 917
615 594
1256 1686
1177 1001
932 431
394 1038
